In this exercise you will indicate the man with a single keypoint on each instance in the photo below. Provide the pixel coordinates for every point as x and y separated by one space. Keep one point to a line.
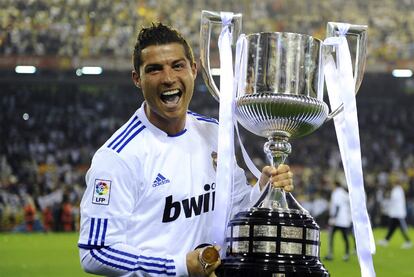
339 218
397 212
151 187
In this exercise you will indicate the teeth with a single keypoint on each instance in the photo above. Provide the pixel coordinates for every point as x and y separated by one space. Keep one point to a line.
171 96
171 92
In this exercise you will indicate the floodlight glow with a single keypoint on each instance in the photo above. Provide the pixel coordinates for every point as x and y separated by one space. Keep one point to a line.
91 70
25 69
402 73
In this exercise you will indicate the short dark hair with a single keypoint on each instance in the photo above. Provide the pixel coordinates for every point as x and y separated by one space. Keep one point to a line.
159 34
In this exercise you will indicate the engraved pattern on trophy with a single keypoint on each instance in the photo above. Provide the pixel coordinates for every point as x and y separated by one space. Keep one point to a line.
280 97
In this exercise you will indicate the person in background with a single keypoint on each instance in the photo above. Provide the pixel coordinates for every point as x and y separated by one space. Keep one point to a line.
66 216
339 218
29 214
397 212
47 217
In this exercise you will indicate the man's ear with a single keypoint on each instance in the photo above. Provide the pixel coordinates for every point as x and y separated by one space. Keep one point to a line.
194 69
136 79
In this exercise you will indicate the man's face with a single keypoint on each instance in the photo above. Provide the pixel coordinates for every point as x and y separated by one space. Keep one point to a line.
166 78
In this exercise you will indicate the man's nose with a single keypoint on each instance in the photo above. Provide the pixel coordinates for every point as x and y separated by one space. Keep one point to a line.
169 76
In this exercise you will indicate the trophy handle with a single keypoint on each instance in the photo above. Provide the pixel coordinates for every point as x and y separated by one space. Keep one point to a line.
208 18
360 33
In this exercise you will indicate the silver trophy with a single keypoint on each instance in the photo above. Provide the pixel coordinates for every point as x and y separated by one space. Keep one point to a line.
281 98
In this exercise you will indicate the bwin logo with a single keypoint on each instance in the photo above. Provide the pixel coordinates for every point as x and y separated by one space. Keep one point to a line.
197 205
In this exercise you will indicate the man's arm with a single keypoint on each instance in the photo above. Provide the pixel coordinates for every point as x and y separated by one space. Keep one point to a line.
106 208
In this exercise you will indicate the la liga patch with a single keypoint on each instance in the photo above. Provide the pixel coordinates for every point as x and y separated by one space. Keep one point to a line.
102 192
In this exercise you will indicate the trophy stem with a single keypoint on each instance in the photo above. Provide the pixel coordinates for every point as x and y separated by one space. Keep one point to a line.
277 149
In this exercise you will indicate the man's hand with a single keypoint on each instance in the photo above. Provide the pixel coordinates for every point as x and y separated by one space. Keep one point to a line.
280 177
195 267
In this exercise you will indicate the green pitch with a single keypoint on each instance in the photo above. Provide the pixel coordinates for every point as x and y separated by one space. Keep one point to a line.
57 255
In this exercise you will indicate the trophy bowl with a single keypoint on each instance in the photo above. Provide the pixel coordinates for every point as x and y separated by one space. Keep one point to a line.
280 87
267 114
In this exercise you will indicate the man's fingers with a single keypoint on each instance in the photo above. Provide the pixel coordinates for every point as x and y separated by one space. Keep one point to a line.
282 183
209 269
282 176
283 168
283 180
269 170
215 265
288 188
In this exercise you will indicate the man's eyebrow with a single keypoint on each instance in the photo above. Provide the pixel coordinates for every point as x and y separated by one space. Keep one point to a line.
153 65
160 65
179 60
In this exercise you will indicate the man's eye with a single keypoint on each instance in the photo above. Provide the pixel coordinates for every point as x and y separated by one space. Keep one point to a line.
179 65
152 69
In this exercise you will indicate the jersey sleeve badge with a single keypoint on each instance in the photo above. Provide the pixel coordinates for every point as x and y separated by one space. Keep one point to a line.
102 192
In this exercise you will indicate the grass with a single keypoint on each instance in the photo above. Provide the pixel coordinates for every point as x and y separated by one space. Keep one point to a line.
388 261
38 254
56 254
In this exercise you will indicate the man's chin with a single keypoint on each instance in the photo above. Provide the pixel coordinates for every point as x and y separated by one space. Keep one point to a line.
175 115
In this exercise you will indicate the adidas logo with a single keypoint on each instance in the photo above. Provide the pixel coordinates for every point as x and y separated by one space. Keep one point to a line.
160 180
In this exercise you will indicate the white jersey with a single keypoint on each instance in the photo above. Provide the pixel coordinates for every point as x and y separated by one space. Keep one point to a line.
149 198
340 209
397 207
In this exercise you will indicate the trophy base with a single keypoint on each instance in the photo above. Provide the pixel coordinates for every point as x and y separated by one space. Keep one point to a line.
244 267
264 242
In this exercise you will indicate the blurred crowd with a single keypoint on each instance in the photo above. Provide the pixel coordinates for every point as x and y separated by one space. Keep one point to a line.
49 133
101 29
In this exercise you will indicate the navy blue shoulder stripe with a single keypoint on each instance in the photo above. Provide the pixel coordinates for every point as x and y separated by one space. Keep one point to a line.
201 117
124 131
134 128
207 120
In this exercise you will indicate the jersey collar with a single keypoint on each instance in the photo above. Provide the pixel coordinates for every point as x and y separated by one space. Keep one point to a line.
143 117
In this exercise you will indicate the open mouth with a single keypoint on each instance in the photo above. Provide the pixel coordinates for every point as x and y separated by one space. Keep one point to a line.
171 96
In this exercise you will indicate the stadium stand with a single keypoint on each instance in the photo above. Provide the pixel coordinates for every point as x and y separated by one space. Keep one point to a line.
75 30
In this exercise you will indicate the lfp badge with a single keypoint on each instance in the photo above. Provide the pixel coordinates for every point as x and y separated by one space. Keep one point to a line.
102 192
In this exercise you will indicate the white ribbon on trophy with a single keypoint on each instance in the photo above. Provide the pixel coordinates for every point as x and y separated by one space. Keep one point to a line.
225 151
341 89
239 86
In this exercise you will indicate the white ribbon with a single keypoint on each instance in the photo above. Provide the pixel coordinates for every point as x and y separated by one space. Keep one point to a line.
239 86
225 152
341 89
